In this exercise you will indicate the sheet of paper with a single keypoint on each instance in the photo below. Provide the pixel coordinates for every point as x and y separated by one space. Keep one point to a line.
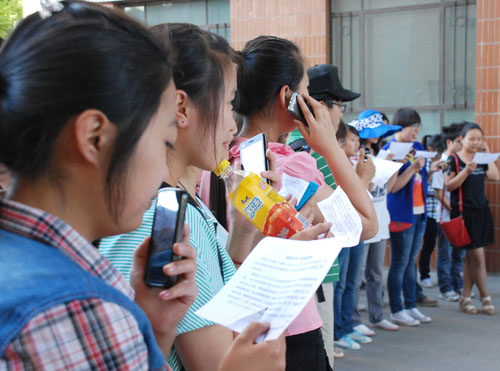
384 170
274 284
291 185
481 158
338 210
425 154
382 154
400 150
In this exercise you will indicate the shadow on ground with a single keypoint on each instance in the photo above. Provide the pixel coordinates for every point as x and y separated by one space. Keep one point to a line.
452 341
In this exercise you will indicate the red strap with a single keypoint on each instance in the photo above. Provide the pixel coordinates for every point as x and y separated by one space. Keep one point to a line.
460 206
442 204
460 201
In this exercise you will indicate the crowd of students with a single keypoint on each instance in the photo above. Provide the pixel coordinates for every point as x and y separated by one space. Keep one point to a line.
97 113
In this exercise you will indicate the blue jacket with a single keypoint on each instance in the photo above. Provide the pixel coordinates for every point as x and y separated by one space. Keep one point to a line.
400 204
35 277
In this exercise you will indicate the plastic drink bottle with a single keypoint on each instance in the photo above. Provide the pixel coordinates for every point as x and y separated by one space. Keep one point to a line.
260 203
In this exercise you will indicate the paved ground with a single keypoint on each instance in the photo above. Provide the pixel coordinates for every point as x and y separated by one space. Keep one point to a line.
452 341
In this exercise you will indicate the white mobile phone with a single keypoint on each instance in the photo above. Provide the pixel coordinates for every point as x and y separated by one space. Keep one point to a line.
253 154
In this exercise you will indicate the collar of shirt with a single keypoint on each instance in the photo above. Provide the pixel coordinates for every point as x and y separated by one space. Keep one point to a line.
46 228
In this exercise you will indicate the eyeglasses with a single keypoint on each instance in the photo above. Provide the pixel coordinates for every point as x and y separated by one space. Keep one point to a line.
416 126
341 106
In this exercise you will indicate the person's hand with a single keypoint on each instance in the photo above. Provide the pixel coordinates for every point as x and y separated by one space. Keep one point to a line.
166 308
484 147
470 167
271 174
403 160
321 132
365 167
418 163
236 217
312 233
390 156
438 166
245 355
307 210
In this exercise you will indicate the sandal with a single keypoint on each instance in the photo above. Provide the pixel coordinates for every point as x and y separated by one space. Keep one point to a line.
338 353
488 307
466 305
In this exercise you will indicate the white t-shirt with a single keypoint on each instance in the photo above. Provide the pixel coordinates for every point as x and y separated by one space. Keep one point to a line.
380 204
438 183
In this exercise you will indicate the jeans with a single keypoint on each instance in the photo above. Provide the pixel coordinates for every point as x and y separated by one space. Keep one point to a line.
449 261
457 265
444 262
430 236
373 257
403 271
343 303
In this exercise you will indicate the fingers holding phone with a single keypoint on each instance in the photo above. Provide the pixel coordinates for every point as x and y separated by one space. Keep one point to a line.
168 228
167 264
320 133
166 308
365 167
184 269
271 175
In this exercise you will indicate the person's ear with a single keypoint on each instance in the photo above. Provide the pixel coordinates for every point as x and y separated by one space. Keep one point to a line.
182 103
284 96
94 135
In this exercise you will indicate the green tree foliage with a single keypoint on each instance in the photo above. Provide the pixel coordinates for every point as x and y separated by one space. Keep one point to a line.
10 12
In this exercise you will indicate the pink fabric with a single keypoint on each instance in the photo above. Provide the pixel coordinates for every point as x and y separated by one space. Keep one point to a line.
297 164
300 165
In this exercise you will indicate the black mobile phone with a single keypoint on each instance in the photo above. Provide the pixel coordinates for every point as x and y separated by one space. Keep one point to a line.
168 228
295 110
253 154
367 153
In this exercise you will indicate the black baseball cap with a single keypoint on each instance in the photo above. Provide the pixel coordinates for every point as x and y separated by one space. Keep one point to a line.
324 79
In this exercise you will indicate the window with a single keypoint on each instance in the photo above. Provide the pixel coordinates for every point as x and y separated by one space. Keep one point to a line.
417 53
211 15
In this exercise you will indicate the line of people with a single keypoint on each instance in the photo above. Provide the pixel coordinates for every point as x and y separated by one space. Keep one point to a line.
410 208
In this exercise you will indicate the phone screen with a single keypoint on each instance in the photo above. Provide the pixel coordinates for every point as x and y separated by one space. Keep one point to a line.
253 154
168 227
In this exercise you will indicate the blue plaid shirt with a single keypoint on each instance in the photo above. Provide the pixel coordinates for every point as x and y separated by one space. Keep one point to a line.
431 203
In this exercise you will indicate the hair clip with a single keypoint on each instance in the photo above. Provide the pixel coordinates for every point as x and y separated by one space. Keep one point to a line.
49 7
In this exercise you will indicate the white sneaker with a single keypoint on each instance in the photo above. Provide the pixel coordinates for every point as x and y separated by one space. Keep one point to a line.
364 330
347 343
427 283
362 307
386 325
360 338
450 296
415 313
404 319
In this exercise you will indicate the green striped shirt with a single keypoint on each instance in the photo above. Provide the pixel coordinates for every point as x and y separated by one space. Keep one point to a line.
322 165
204 238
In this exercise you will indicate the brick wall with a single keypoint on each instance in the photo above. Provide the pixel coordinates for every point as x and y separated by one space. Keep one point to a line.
488 103
304 22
